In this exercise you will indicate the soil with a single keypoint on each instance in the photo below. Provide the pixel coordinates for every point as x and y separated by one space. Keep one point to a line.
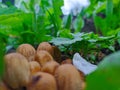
89 25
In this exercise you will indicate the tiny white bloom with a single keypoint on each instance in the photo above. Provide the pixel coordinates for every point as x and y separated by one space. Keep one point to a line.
82 65
74 6
37 8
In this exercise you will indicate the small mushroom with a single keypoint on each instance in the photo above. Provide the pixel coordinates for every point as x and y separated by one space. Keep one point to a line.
50 67
42 81
27 50
43 57
67 61
17 71
68 78
34 67
45 46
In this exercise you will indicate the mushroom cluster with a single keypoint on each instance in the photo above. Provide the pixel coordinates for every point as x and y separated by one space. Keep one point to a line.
41 69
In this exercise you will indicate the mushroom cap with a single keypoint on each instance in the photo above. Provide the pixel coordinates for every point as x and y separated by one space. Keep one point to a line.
67 61
50 67
17 71
27 50
43 57
42 81
45 46
68 78
34 67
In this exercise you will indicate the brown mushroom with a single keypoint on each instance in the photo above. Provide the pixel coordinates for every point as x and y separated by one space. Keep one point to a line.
27 50
34 67
45 46
43 57
42 81
50 67
67 61
68 78
17 71
83 79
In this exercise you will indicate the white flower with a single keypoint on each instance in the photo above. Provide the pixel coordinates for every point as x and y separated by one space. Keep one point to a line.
82 65
74 6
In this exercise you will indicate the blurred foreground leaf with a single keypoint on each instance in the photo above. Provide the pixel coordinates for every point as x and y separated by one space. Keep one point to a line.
106 77
2 52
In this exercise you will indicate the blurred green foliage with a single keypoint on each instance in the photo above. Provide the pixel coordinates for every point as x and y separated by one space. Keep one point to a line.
22 23
105 14
45 22
106 77
85 43
2 52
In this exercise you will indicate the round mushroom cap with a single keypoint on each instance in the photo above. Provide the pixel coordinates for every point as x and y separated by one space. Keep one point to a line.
50 67
27 50
34 67
17 71
45 46
43 57
42 81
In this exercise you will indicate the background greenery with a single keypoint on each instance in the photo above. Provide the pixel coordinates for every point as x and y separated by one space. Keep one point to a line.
20 25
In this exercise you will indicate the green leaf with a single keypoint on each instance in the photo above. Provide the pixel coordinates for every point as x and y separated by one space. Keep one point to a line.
11 25
106 77
27 37
109 13
2 52
57 11
112 48
56 28
109 8
61 41
65 33
67 20
100 6
78 24
100 24
8 10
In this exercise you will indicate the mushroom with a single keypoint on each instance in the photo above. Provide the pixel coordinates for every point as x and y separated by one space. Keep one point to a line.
34 67
68 78
27 50
17 71
43 57
45 46
50 67
67 61
42 81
